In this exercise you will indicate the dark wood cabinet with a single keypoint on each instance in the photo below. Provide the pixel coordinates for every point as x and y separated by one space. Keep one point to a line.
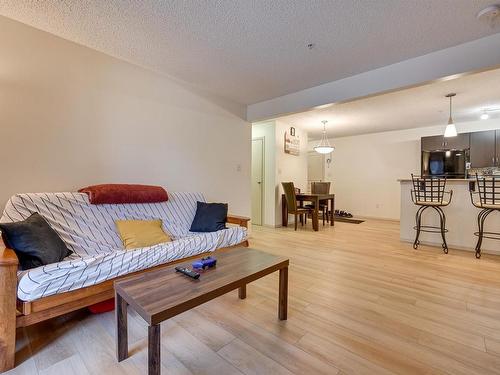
497 147
460 142
438 142
435 142
484 146
483 149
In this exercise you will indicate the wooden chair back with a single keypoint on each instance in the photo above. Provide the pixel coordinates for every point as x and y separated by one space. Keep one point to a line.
320 187
291 200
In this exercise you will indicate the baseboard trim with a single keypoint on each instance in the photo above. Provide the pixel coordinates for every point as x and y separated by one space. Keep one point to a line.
378 218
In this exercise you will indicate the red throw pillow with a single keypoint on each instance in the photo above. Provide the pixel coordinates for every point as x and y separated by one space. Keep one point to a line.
124 193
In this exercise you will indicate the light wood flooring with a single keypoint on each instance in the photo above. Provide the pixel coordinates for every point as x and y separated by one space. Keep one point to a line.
360 302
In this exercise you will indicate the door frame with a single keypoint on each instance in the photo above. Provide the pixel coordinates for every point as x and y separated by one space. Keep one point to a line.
263 184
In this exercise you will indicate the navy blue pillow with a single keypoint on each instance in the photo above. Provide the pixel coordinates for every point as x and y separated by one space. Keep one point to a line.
34 242
210 217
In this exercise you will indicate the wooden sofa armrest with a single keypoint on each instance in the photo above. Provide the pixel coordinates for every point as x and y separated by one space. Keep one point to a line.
8 297
7 256
242 221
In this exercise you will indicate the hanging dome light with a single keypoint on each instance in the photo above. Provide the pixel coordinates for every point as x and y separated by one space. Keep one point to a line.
451 130
324 146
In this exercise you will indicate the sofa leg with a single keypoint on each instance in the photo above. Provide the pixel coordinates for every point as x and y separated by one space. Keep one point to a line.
8 295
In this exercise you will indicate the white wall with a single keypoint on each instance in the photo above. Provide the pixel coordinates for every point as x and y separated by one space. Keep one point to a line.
71 116
280 167
365 168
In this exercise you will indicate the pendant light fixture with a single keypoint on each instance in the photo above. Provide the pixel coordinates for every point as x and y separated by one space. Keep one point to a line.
324 146
451 130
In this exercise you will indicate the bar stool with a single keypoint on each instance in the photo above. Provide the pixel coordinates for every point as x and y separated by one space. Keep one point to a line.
429 192
488 200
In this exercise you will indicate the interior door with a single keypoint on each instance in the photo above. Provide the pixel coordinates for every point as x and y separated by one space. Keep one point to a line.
315 167
257 180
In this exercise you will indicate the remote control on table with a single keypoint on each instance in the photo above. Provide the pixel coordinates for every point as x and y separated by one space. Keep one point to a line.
188 272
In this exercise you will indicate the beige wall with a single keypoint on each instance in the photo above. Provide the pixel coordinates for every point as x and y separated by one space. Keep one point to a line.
365 168
71 116
280 167
289 168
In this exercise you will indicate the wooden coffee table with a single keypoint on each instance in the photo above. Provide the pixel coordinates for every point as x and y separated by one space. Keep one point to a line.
161 294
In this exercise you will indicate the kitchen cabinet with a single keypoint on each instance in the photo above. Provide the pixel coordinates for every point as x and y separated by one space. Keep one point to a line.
497 147
484 147
435 142
438 142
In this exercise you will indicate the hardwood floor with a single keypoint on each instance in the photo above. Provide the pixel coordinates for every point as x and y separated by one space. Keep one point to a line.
360 302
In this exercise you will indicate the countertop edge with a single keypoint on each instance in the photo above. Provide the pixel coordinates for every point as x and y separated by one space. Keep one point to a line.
447 180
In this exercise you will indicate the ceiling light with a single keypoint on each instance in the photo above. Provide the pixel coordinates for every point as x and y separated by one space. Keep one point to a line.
485 115
489 14
451 130
323 106
324 146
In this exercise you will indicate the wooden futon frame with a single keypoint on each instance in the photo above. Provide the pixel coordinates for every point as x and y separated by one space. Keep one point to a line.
15 313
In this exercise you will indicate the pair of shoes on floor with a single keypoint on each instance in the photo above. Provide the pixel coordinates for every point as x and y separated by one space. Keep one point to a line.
343 213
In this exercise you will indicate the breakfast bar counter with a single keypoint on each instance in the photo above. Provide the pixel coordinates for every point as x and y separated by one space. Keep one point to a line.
461 219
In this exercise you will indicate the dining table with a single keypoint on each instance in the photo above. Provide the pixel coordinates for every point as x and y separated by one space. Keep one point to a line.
315 199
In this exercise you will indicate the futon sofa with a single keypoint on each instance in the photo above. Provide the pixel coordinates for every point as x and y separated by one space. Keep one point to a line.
86 277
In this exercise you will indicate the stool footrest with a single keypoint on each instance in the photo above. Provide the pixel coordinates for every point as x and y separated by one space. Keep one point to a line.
430 229
490 235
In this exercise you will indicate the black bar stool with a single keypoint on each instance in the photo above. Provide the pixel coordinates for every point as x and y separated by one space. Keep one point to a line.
429 192
487 198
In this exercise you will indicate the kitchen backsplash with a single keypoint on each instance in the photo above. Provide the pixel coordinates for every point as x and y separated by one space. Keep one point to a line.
484 171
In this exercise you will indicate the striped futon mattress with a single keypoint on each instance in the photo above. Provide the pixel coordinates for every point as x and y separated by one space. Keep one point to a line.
98 253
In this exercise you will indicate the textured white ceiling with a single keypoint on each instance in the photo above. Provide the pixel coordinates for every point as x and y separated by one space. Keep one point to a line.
410 108
253 50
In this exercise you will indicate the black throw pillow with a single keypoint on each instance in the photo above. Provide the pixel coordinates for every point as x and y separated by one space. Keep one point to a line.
34 242
210 217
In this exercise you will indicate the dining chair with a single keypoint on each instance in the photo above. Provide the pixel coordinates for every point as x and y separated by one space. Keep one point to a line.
291 203
321 188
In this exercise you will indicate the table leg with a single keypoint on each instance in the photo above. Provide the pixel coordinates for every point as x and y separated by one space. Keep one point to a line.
332 215
316 215
242 292
154 367
121 328
284 211
283 294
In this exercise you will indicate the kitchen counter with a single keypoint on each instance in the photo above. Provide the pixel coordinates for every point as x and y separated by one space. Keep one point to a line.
447 181
461 219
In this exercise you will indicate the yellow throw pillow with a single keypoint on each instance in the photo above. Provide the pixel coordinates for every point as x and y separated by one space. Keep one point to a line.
141 233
